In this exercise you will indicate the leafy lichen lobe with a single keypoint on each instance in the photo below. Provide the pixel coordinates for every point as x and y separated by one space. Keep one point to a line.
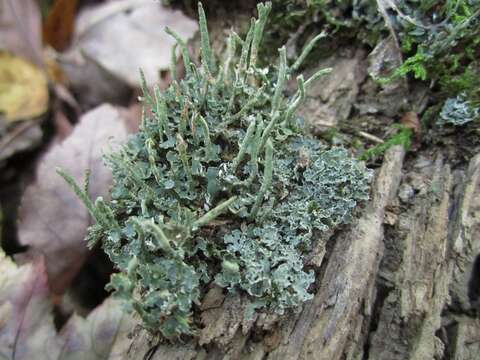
221 185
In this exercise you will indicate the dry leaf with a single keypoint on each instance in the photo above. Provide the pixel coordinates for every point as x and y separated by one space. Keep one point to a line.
24 136
411 121
58 26
53 221
27 330
126 35
63 127
92 84
20 29
23 89
103 334
26 324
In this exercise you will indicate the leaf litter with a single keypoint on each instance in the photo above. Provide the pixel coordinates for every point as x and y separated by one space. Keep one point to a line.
27 329
53 221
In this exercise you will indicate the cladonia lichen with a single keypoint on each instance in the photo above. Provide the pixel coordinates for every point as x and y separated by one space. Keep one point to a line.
220 185
457 111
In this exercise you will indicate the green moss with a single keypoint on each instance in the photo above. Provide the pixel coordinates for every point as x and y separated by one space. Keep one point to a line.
402 137
221 185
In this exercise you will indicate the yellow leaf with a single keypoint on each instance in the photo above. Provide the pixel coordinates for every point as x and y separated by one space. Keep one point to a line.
23 89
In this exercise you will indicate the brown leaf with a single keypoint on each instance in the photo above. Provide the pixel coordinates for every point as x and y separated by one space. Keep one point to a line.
26 324
27 330
91 83
411 121
63 127
23 136
124 36
58 26
20 29
53 221
103 334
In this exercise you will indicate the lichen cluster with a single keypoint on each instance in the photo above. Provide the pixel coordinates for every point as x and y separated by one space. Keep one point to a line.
220 185
458 111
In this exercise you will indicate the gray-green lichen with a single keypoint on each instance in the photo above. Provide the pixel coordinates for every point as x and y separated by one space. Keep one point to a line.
457 111
221 185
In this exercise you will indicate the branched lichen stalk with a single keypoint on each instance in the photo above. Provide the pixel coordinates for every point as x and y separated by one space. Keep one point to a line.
306 51
244 145
173 63
207 56
161 239
82 195
183 50
214 213
263 12
267 178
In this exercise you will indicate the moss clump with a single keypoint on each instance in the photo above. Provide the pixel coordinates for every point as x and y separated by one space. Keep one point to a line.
402 137
221 185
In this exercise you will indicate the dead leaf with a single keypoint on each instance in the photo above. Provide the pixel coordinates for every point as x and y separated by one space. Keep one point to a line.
26 324
53 221
27 330
91 83
63 94
411 121
54 70
103 334
20 29
124 36
23 136
58 26
23 89
133 117
63 127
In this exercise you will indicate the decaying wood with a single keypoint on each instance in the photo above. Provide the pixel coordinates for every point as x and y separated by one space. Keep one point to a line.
465 235
401 282
412 310
330 100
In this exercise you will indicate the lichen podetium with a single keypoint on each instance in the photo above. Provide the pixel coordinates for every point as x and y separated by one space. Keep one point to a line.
221 185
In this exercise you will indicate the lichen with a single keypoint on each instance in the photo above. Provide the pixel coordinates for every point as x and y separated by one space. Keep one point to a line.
221 185
457 111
